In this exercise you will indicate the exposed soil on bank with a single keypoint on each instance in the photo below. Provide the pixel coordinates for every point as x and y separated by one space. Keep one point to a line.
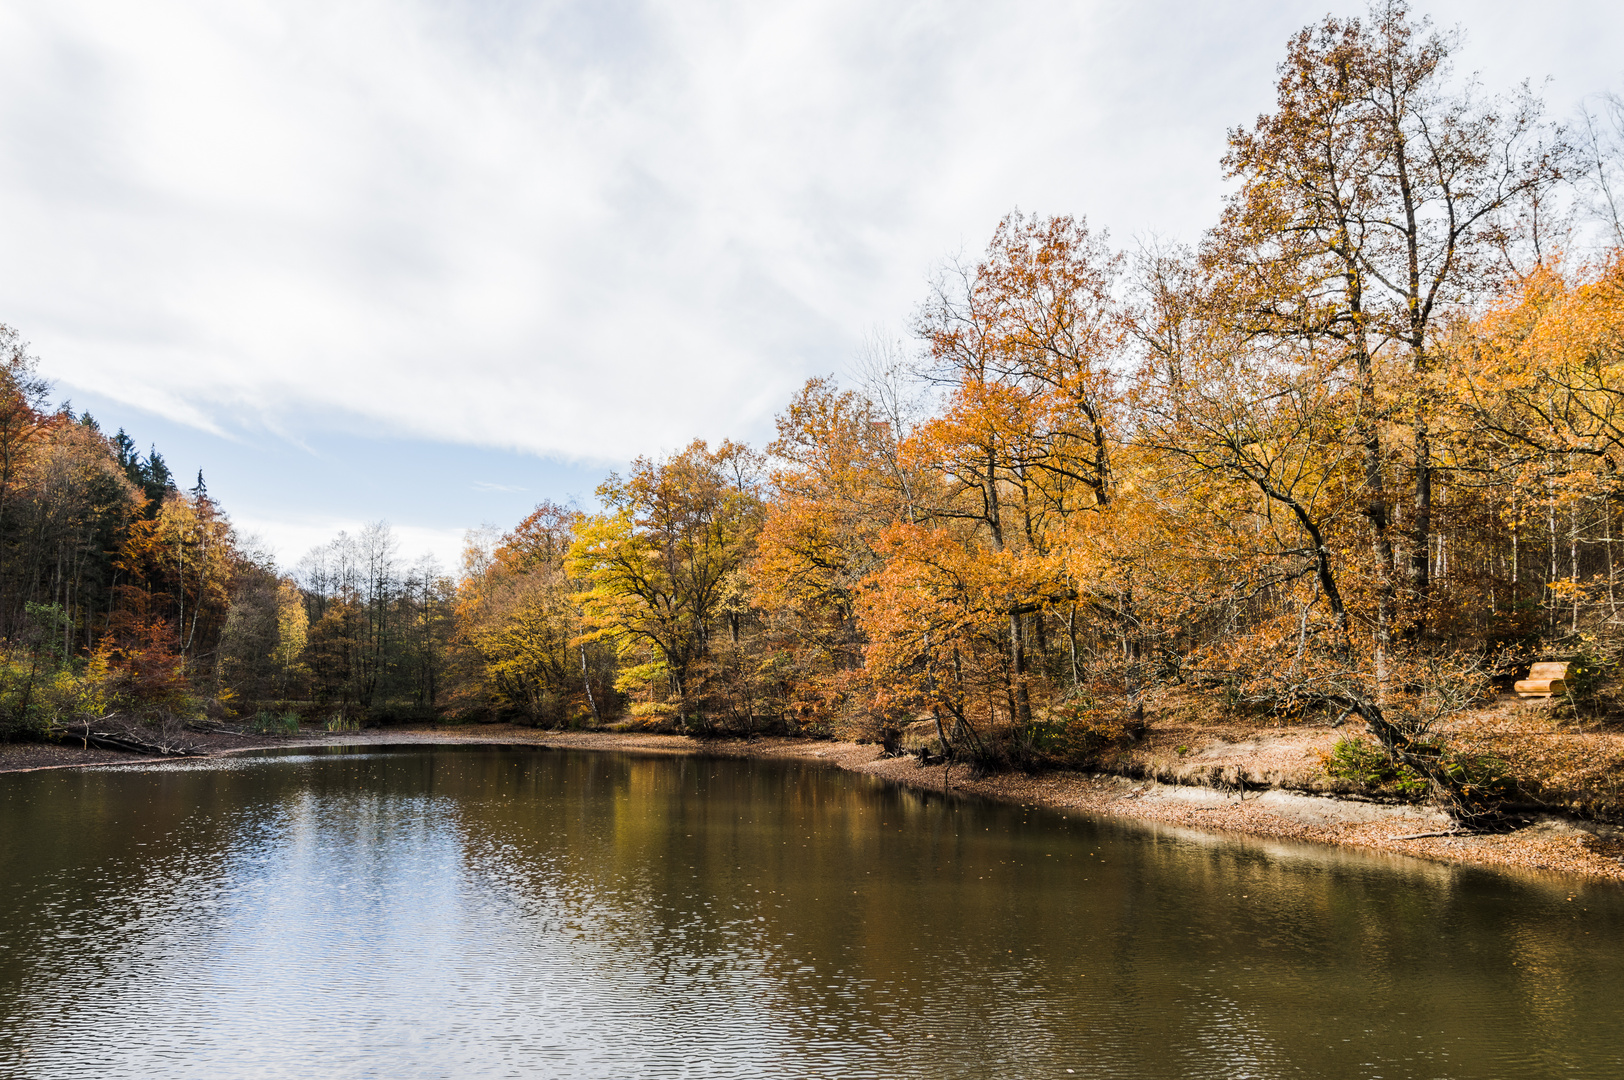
1173 771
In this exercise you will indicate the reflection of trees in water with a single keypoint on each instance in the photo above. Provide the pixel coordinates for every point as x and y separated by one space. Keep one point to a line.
978 940
783 912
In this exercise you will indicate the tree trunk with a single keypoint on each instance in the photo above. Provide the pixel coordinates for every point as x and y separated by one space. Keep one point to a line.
586 680
1021 703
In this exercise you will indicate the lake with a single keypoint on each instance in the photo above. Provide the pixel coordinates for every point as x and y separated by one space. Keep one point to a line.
434 911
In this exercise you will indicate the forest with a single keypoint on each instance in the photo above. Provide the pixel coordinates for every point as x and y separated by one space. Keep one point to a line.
1355 455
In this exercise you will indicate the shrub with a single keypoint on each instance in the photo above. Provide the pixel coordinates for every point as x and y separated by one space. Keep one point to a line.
1075 732
266 722
1368 765
1589 688
656 716
39 694
1482 778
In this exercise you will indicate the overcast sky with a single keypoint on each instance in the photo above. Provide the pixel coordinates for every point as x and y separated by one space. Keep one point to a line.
434 261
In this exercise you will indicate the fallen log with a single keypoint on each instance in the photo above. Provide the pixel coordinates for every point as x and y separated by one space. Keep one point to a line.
1424 835
218 729
108 740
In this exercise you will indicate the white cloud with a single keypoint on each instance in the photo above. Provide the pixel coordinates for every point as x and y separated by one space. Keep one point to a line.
594 228
290 538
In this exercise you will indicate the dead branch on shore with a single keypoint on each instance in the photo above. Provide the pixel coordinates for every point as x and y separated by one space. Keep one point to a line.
123 739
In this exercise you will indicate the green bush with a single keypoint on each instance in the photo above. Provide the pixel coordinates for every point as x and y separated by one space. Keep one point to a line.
266 722
39 693
1482 777
1589 683
1368 765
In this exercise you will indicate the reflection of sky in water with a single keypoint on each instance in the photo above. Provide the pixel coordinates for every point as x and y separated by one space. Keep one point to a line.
465 913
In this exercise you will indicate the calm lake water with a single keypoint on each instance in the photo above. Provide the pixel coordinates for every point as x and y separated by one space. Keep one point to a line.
460 912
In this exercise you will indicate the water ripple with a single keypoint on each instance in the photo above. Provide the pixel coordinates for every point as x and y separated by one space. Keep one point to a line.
470 914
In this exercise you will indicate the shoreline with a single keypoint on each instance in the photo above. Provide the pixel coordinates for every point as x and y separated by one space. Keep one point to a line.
1552 845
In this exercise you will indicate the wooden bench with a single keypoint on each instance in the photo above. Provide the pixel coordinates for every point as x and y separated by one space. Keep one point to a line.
1543 680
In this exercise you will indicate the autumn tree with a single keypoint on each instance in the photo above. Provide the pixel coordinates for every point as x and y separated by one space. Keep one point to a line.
659 564
839 477
517 613
1023 344
1536 389
22 422
181 564
1372 207
247 666
292 636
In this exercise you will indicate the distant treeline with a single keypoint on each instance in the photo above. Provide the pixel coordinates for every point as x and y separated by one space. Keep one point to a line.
124 598
1356 451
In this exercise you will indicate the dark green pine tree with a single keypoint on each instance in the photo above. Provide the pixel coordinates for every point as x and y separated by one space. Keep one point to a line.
155 480
159 480
128 459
